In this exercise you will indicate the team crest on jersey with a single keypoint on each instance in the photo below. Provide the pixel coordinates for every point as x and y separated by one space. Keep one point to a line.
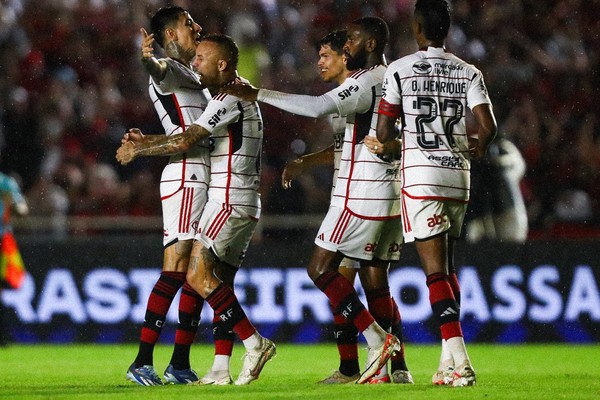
422 67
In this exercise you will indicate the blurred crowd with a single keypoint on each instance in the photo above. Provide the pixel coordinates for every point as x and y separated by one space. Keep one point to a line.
72 84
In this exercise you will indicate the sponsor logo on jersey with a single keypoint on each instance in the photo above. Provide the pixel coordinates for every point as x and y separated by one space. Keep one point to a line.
391 171
394 247
448 161
422 67
344 94
445 69
370 247
216 117
436 219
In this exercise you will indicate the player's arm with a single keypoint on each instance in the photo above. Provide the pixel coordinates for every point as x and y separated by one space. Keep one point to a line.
390 150
389 147
159 145
486 131
295 168
299 104
155 68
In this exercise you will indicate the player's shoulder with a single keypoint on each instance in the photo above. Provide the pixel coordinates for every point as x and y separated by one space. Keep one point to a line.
228 98
407 61
368 75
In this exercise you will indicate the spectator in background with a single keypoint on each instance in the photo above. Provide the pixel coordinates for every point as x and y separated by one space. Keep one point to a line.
548 52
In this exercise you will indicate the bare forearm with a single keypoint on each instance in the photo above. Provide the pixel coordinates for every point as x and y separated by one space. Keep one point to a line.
487 127
159 145
386 128
323 157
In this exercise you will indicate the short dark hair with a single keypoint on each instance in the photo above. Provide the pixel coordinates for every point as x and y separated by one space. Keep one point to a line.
336 40
377 28
227 44
162 19
436 18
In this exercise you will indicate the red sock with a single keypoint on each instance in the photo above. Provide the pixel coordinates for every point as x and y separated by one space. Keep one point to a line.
159 302
453 281
380 306
226 306
444 305
190 307
344 300
397 359
346 338
223 337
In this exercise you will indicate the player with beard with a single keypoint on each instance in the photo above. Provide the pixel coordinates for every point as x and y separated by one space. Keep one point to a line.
332 68
228 221
179 99
363 221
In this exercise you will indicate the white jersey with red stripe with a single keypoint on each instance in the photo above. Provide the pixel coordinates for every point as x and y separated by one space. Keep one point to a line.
430 90
366 186
180 99
236 129
338 125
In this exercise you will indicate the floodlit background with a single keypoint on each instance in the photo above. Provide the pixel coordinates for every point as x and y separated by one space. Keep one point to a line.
72 84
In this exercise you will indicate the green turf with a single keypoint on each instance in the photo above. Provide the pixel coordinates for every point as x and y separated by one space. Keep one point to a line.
529 372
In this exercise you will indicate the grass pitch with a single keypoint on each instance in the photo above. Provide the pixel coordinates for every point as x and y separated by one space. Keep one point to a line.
90 371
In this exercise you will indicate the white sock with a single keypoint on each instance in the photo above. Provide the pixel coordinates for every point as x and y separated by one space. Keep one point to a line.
252 342
375 335
446 356
458 350
221 363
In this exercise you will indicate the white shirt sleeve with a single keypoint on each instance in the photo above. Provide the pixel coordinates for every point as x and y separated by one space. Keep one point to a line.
477 93
220 111
308 106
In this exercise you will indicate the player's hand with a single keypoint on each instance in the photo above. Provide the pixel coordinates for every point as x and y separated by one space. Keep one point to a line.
147 42
133 135
241 90
374 145
291 171
126 153
388 151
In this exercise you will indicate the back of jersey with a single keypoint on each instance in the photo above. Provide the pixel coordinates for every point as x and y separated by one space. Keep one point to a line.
434 88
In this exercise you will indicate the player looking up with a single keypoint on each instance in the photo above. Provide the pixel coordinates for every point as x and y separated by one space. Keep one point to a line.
429 91
233 207
363 221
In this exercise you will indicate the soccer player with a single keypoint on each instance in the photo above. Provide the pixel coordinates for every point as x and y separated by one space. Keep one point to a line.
363 221
179 99
332 68
429 91
231 213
